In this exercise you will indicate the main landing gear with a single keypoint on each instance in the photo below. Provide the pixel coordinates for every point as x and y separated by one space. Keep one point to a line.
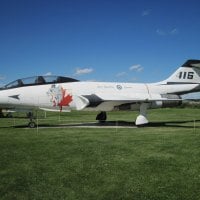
141 119
1 113
101 117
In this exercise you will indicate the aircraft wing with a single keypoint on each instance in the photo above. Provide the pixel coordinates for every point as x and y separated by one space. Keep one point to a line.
95 100
137 98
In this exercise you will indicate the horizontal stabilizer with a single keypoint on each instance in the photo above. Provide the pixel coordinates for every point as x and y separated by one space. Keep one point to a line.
192 63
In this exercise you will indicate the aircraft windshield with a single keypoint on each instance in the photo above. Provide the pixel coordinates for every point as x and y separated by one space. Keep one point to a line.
39 80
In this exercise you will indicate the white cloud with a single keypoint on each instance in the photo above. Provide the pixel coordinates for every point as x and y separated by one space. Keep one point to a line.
137 68
134 79
48 74
121 74
146 12
169 32
83 71
174 31
161 32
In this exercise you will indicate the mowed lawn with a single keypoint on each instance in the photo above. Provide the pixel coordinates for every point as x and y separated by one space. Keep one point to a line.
161 161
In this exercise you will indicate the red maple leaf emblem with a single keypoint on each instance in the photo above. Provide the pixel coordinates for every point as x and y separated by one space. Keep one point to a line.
66 99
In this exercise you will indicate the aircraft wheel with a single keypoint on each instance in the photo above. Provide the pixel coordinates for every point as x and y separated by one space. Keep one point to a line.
31 124
1 114
101 117
9 115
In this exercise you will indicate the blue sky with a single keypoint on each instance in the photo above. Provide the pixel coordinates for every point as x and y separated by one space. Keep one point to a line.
102 40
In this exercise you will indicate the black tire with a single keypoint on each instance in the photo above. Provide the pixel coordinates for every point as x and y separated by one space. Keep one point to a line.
101 117
31 124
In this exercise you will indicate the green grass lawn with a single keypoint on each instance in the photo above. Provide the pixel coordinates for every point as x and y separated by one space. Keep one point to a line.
157 162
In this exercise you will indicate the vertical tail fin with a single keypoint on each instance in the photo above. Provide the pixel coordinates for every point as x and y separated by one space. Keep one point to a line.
188 73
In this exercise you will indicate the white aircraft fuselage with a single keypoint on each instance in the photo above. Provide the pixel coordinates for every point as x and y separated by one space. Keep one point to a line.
69 94
36 97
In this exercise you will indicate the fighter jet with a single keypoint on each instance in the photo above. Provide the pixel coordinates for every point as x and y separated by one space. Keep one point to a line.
58 93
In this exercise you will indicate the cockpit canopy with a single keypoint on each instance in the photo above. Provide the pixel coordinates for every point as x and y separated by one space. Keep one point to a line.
39 80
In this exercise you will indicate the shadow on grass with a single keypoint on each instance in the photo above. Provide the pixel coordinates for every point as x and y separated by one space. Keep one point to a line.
182 124
118 124
107 124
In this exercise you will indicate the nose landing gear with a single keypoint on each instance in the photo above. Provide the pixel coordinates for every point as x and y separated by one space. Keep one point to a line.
32 123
